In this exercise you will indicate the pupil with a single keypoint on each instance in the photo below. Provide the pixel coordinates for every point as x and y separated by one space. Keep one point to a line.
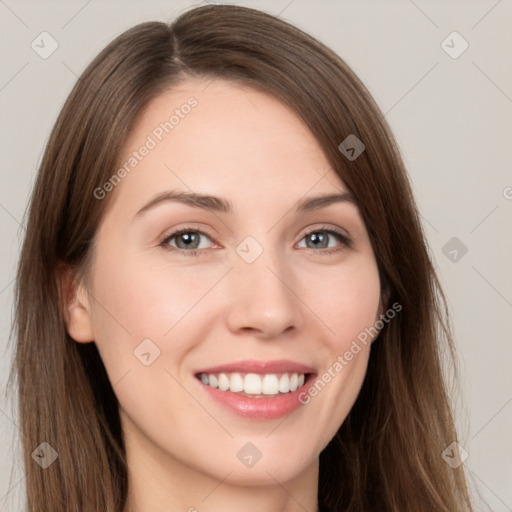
315 237
188 238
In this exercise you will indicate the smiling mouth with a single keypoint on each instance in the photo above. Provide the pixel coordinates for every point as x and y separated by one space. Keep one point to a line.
255 385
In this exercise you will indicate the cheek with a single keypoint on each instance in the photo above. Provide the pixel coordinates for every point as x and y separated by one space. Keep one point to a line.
135 301
347 302
146 320
349 306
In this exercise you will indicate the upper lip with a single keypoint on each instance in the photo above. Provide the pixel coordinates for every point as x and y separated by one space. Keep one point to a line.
258 366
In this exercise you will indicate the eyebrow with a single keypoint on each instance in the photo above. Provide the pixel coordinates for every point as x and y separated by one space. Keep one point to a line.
221 205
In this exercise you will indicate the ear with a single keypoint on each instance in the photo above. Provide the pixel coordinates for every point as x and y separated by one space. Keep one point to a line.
75 305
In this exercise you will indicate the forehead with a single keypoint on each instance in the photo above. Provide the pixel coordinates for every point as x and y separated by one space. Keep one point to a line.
223 137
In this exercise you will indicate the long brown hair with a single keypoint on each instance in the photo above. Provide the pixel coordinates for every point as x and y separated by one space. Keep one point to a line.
386 456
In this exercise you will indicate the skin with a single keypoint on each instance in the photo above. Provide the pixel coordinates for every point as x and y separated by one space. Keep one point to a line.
295 301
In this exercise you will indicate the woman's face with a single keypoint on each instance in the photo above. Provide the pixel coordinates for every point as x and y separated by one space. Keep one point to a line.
274 285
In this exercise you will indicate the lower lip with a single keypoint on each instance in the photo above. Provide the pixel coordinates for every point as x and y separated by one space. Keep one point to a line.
258 408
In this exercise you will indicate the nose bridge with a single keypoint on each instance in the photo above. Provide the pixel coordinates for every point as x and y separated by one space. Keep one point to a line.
261 287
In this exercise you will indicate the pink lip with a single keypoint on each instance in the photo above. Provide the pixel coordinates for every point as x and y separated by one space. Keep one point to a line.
274 407
260 367
258 408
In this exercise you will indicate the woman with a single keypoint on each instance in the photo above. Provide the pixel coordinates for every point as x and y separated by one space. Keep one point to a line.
225 271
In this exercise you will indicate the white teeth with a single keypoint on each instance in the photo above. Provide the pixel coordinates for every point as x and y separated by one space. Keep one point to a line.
270 385
253 383
223 382
284 383
294 381
214 382
236 383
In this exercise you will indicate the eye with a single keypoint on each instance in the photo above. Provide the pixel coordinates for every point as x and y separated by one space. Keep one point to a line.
324 238
186 240
189 241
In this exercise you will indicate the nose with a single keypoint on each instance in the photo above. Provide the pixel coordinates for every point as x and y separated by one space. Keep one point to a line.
264 300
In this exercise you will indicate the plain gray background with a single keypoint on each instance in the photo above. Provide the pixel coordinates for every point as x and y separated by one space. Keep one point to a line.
451 115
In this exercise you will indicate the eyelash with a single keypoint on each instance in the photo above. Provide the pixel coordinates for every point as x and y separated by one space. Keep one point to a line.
345 241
